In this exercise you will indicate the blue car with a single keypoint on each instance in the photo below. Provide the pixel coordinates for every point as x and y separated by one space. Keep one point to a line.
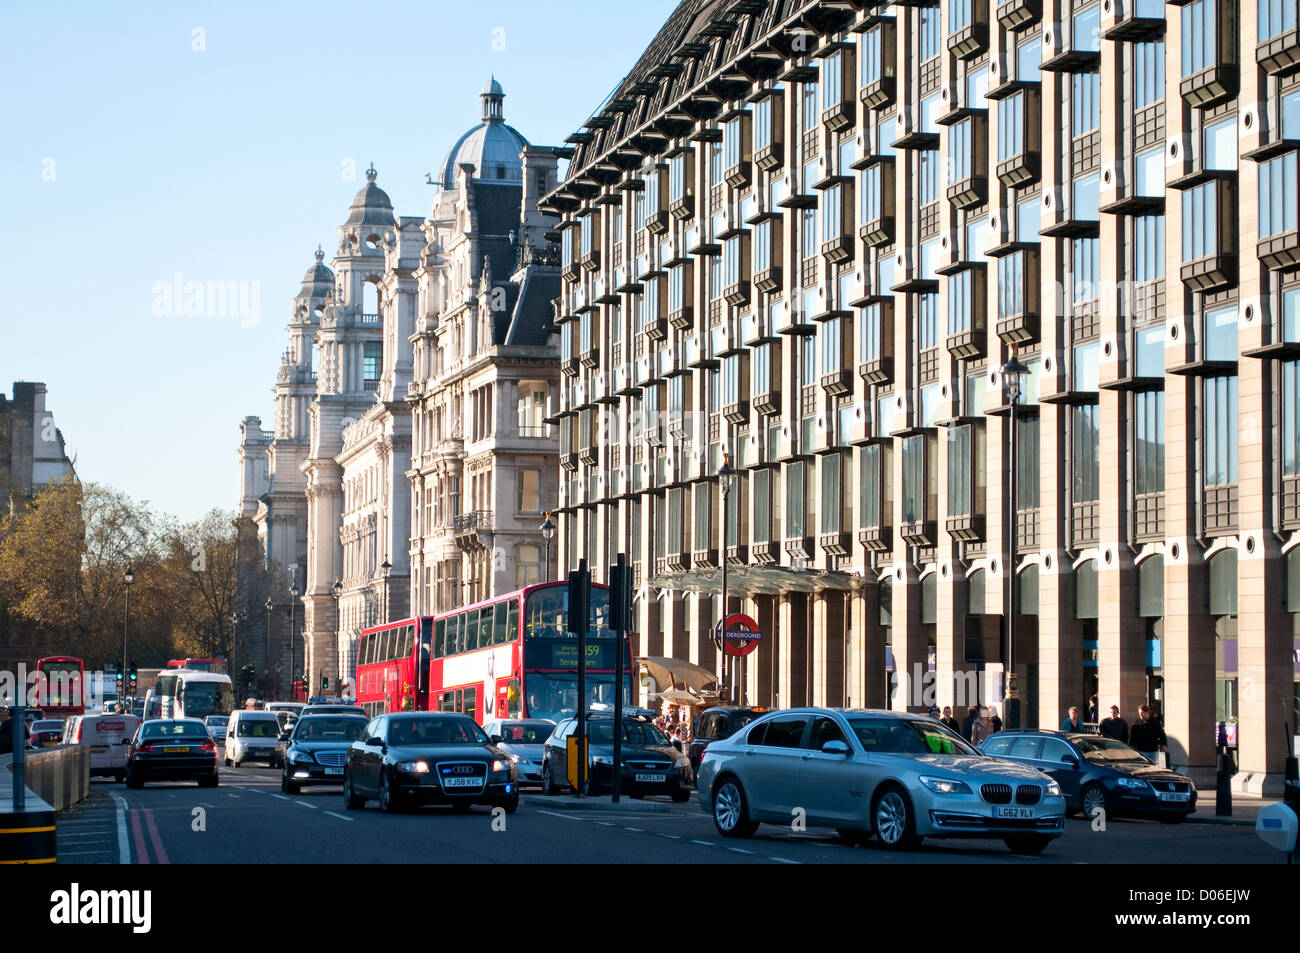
1098 772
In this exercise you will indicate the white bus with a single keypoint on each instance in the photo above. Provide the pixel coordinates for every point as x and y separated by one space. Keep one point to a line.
187 694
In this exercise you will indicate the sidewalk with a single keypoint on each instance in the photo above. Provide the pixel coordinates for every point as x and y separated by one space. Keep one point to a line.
1244 809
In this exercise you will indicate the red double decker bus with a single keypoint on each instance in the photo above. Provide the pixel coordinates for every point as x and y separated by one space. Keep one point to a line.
217 666
60 689
505 657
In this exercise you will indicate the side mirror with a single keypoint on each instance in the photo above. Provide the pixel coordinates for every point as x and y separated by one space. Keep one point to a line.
494 739
836 747
375 741
1070 760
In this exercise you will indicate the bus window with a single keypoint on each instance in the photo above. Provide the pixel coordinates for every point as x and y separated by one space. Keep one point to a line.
500 627
486 635
448 701
408 642
513 701
440 638
469 631
460 699
512 620
471 703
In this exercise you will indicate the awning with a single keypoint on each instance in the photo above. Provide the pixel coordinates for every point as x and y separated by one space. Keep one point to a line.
758 580
670 673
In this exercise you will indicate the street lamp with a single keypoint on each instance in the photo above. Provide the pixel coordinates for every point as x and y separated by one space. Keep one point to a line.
128 577
385 567
725 476
548 533
1012 372
269 606
293 670
336 590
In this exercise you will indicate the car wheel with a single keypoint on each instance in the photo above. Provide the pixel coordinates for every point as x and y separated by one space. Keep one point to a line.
389 800
893 819
1092 799
288 787
548 783
350 800
510 805
680 797
227 762
134 781
1027 843
730 812
208 782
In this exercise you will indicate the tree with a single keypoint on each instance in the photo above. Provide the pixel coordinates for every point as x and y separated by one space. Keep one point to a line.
201 565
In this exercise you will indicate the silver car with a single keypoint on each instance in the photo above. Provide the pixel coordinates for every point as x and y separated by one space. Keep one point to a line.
897 775
524 740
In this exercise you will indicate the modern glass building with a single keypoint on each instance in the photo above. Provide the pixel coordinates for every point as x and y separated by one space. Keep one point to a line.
805 236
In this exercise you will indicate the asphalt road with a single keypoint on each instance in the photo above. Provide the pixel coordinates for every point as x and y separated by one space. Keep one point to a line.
247 820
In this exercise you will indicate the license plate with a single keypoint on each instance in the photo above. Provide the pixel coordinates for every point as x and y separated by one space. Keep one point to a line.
461 782
99 751
333 772
1172 796
1010 812
650 778
180 750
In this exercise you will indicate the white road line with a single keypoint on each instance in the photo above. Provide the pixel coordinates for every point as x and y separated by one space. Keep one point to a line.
281 797
671 836
341 817
123 845
306 804
636 829
232 795
782 860
567 817
703 843
740 850
606 823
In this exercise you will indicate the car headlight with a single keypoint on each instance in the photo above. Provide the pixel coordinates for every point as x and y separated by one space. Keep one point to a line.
518 759
413 767
945 785
301 757
1136 783
500 765
1053 789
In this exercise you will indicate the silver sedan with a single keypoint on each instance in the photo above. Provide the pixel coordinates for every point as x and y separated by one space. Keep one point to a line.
897 775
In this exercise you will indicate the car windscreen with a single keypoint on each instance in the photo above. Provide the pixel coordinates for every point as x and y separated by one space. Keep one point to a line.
1106 750
435 731
47 726
907 736
329 728
634 733
525 734
169 730
259 728
739 719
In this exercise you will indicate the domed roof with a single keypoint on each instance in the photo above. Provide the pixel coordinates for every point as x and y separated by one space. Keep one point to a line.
371 206
319 280
492 146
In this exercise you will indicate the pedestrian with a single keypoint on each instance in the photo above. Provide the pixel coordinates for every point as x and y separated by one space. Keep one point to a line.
995 723
1072 723
949 720
1147 736
1092 709
979 730
968 723
1114 726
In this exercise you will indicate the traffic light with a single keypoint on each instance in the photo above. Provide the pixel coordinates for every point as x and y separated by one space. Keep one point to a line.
131 674
119 683
324 682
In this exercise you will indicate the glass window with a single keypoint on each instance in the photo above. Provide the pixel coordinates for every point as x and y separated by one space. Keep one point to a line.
930 108
959 15
1029 219
960 468
914 482
1221 334
1011 126
1290 120
927 320
929 173
832 498
1200 221
1291 418
1087 268
1027 452
978 236
1085 367
785 732
1277 195
960 292
869 485
1087 29
930 252
1011 285
1200 26
1221 145
763 123
960 146
871 52
1149 250
1150 452
928 27
886 133
977 84
1275 16
794 499
1151 172
1149 72
372 358
1087 469
1086 201
1150 358
1028 57
1291 315
1085 102
1221 426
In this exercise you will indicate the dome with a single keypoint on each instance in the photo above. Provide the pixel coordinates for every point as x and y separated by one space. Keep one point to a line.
492 147
319 280
371 206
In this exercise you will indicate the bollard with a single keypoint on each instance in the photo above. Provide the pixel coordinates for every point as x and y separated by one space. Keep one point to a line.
1223 784
19 735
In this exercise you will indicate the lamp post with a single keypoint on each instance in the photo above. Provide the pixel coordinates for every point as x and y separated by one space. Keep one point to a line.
269 606
1012 372
336 590
293 648
128 577
235 619
548 533
385 567
725 476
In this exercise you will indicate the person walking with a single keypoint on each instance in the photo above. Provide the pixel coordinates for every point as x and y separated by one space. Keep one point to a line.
968 723
1072 723
1092 709
1114 726
995 723
979 730
1147 736
949 720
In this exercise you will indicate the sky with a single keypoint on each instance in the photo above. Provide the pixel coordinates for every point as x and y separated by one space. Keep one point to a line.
148 145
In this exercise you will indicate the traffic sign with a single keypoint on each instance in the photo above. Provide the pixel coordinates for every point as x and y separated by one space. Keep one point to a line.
742 634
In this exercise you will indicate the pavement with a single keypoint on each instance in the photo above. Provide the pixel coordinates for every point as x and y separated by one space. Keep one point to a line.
1244 809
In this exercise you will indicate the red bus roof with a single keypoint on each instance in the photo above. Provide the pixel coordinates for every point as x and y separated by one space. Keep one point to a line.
504 597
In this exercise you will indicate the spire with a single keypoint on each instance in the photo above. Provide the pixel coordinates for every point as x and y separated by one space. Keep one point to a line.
320 254
371 174
492 94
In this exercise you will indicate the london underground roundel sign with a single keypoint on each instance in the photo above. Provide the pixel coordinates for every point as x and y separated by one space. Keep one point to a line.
741 635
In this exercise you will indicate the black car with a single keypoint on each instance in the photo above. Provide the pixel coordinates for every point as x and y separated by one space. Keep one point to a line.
716 724
172 749
1097 772
410 758
317 750
651 763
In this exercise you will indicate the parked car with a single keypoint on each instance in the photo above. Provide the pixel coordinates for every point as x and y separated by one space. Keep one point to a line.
1098 772
317 750
718 723
899 776
409 758
46 733
651 764
171 749
524 740
252 736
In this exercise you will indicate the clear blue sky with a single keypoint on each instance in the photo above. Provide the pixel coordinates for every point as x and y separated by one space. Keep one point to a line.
128 157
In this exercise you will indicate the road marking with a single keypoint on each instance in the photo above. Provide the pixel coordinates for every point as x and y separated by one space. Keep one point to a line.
606 823
281 797
305 804
567 817
341 817
137 835
740 850
636 829
232 795
123 844
155 837
703 843
671 836
782 860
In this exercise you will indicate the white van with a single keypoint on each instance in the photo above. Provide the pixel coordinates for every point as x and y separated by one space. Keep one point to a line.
252 736
108 737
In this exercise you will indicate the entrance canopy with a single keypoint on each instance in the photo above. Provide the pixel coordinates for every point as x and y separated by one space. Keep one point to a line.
671 672
758 580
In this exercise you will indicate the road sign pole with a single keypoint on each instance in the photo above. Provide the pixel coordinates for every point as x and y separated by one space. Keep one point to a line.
579 620
620 610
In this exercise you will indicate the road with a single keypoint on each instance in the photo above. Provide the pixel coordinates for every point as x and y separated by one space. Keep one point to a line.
247 820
